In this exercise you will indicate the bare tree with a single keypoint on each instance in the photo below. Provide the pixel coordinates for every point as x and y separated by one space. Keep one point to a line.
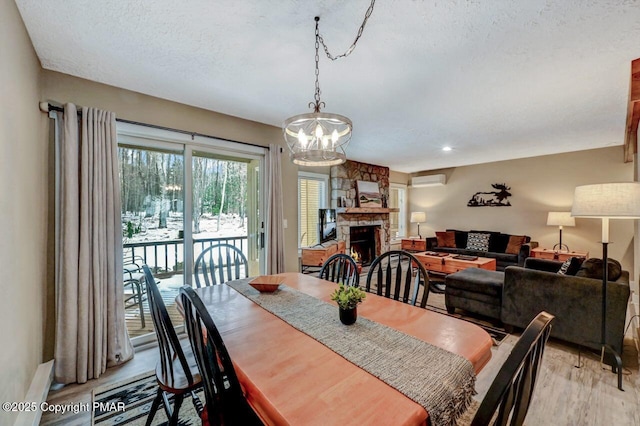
224 190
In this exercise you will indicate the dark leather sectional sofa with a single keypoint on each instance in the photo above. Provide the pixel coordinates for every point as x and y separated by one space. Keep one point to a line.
497 245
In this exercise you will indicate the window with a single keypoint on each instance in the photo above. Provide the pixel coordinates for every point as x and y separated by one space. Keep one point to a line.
312 195
398 200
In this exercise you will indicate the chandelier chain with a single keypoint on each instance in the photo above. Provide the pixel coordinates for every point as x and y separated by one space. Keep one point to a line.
353 46
316 97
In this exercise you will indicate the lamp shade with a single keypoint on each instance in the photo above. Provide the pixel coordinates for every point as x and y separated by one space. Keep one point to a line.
607 200
418 217
560 219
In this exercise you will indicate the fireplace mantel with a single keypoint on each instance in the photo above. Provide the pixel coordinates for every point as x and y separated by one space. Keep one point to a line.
365 210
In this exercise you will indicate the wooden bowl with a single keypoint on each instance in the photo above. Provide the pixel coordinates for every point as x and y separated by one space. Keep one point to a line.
266 283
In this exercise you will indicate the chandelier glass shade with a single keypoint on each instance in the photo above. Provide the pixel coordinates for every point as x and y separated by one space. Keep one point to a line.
317 138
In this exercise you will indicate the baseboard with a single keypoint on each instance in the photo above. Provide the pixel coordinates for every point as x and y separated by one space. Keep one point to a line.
38 391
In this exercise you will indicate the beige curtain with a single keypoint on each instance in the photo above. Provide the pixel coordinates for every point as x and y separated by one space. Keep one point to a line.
275 216
90 330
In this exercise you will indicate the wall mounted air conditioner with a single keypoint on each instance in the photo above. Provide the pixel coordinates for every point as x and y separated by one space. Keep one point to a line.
431 180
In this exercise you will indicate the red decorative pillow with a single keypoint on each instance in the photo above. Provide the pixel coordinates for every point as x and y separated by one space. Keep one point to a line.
446 239
515 242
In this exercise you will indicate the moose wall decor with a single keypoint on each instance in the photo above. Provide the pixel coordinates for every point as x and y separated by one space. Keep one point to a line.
496 198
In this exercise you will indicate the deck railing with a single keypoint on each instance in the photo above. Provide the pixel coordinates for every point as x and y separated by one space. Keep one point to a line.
166 258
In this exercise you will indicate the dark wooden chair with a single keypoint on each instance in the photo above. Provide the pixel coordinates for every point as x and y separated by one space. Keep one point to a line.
176 373
398 275
220 263
341 268
225 402
133 285
510 394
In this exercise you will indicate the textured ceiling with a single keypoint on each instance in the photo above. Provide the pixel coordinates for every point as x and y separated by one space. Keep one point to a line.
493 79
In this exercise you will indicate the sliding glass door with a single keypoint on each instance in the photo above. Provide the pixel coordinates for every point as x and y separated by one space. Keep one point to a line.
179 196
225 204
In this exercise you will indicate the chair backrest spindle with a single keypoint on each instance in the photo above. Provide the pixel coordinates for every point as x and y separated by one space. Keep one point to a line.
340 268
398 275
220 263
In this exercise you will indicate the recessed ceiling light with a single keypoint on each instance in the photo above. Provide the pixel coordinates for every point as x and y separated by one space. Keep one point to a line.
446 148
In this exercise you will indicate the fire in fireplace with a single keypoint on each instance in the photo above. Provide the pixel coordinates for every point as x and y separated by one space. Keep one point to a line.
363 242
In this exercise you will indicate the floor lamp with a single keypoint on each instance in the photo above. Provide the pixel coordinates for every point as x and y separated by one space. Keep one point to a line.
607 201
560 219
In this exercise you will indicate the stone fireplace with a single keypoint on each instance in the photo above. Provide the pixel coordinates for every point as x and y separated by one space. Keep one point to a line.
351 218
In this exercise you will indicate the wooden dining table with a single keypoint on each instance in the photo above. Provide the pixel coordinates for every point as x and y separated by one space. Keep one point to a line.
290 378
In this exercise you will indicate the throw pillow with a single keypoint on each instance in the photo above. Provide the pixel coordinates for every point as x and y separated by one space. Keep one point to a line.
478 241
592 268
446 239
574 267
515 242
461 237
498 242
571 266
565 266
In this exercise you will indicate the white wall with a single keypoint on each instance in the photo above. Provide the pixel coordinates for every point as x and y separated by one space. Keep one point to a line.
23 207
539 185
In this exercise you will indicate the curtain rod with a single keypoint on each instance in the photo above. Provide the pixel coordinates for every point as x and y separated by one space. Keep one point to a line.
46 107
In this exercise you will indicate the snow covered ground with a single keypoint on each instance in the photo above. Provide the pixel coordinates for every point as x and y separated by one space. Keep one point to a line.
230 226
169 257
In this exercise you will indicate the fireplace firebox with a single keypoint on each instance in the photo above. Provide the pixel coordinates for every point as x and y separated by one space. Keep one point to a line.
363 242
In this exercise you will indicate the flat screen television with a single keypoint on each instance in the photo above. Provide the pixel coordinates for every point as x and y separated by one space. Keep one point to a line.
327 224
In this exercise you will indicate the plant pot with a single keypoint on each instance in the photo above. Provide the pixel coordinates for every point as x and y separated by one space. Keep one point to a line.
348 316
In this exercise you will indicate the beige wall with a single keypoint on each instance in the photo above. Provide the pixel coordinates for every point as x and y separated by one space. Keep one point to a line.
399 177
23 206
539 185
62 88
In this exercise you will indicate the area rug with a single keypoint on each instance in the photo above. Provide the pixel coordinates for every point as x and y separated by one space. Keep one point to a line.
137 394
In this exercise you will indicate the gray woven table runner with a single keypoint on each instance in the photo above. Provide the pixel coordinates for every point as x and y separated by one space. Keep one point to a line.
440 381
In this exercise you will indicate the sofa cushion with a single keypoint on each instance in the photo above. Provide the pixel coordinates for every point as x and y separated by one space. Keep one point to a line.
461 238
478 241
592 268
446 239
547 265
571 266
515 242
506 257
498 242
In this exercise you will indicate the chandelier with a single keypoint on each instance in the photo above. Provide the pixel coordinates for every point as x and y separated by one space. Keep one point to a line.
319 138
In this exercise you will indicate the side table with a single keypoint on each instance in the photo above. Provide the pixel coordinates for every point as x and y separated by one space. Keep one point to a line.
545 253
414 244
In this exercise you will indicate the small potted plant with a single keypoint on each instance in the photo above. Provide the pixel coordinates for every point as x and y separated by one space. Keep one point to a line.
348 298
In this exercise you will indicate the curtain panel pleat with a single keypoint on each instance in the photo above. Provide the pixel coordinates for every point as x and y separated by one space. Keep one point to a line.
275 215
91 333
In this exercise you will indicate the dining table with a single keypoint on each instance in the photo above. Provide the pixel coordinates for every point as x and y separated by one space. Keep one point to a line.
290 378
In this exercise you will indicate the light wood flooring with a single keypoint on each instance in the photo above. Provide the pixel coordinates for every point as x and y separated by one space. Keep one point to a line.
564 394
132 314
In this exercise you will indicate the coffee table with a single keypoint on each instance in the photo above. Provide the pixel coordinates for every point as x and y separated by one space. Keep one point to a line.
449 264
441 266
